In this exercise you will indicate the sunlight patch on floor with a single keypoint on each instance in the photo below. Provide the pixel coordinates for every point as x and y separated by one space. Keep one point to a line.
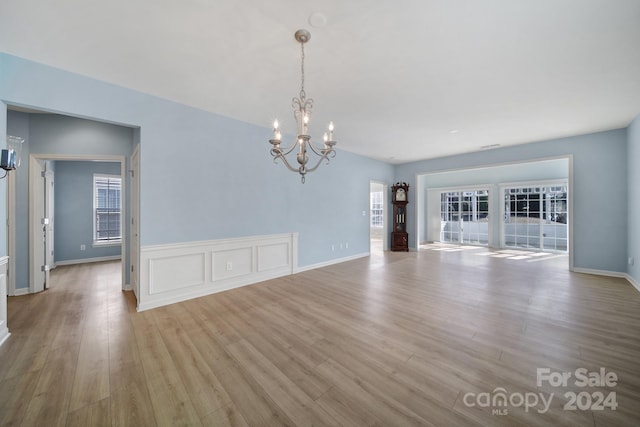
514 254
447 247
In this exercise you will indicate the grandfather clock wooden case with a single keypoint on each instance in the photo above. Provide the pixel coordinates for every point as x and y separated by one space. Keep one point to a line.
399 199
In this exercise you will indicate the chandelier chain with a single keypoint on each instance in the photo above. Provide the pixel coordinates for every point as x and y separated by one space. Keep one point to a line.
302 92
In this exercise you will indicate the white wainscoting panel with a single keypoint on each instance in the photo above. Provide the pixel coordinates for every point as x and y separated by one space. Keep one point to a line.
274 256
177 272
229 263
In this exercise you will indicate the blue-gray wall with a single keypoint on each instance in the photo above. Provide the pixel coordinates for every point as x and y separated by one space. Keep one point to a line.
599 190
61 135
73 225
18 125
204 176
633 177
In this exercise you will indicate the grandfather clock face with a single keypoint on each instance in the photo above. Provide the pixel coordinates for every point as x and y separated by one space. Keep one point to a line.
401 195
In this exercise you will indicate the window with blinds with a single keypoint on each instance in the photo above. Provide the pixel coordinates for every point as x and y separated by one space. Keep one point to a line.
107 211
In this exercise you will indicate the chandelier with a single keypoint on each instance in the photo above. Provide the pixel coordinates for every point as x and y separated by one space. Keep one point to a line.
302 112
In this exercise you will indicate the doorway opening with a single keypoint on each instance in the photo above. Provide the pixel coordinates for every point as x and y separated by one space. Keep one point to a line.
74 203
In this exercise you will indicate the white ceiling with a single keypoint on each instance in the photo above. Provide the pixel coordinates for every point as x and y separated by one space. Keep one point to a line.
396 77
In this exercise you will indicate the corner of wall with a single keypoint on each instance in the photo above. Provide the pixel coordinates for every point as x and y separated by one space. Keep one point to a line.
633 197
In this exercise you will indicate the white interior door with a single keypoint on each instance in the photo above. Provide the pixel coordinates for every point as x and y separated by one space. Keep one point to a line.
134 230
37 266
48 221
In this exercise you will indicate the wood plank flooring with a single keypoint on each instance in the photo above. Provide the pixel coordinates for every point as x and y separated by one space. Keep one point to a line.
395 339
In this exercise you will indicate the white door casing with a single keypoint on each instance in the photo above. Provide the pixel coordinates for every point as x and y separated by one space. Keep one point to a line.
37 208
134 230
36 233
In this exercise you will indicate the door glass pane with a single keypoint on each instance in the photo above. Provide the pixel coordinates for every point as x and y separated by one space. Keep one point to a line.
464 217
555 226
536 218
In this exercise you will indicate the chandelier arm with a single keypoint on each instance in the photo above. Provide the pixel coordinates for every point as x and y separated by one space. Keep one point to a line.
327 156
281 156
286 151
317 165
317 150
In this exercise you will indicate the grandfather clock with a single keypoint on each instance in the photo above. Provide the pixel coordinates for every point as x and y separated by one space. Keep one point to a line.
399 199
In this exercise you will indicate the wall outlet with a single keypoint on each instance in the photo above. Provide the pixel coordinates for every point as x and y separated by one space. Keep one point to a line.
83 247
631 260
333 248
346 245
229 266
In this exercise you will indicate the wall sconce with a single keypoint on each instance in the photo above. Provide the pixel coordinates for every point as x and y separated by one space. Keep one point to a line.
10 156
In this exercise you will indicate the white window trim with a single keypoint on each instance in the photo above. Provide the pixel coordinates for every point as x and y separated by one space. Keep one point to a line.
103 243
113 242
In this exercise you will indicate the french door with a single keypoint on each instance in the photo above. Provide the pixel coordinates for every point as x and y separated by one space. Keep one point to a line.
464 217
535 217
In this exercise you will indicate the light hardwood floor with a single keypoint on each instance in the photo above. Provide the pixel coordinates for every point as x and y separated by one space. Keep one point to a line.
390 340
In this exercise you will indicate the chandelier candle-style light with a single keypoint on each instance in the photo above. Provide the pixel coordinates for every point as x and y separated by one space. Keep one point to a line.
302 112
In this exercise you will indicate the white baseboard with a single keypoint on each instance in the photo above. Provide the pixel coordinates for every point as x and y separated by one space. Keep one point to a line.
20 291
600 272
330 262
633 282
182 271
609 274
4 336
88 260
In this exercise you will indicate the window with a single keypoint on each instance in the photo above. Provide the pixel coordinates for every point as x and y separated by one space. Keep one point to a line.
376 209
107 202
